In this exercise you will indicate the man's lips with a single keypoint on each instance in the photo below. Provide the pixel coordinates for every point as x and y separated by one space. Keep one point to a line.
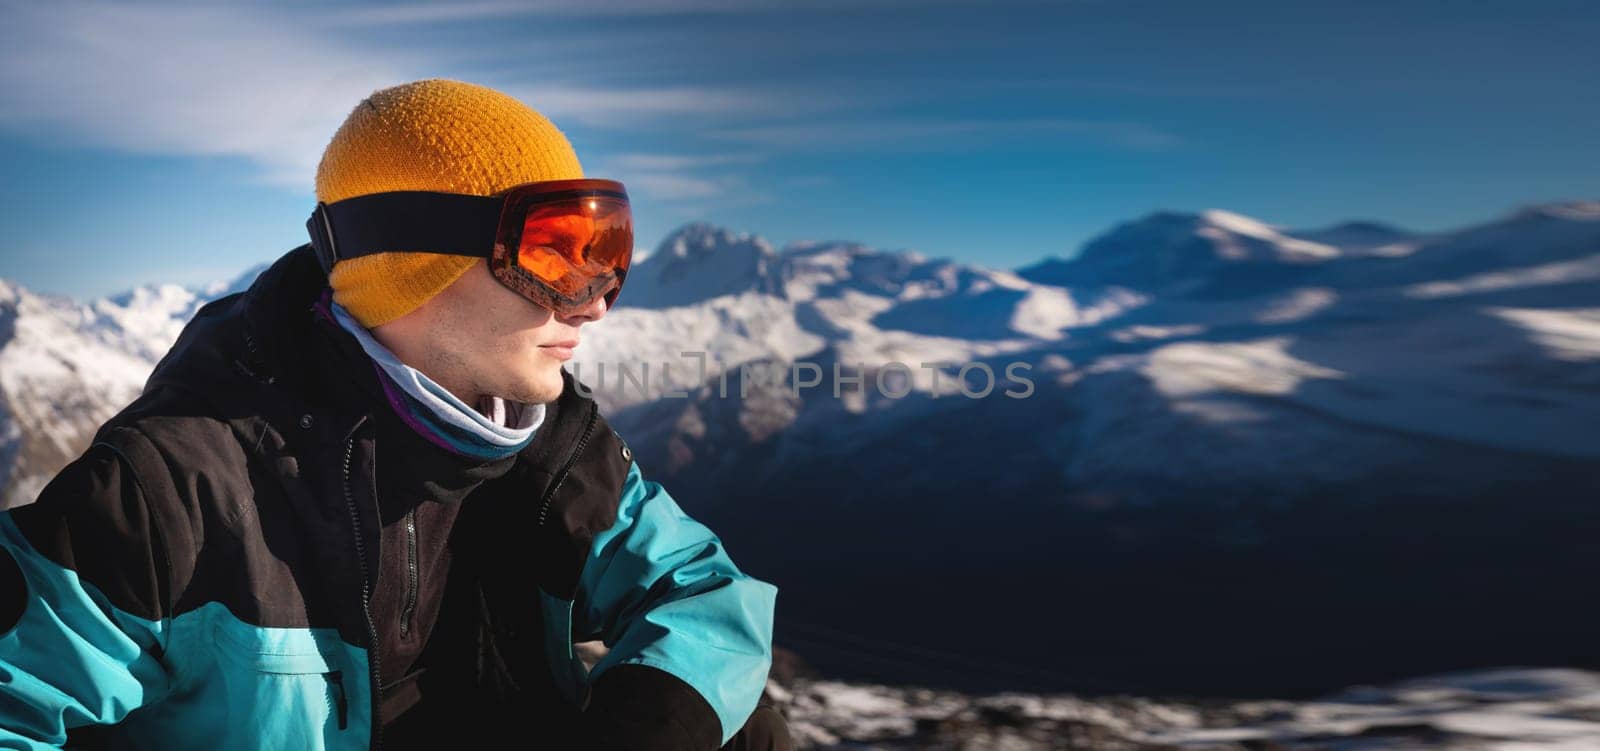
561 350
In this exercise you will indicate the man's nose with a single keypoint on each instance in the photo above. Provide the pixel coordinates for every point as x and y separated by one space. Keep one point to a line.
594 311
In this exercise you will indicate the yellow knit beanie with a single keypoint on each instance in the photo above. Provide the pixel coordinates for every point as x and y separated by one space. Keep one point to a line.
438 135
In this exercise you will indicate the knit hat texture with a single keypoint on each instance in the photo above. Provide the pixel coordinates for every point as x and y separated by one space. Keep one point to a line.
436 135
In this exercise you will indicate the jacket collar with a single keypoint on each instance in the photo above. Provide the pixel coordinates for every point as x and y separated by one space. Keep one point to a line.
257 360
289 343
315 388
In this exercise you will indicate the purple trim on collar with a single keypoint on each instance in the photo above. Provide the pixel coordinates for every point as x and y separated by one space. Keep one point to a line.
401 407
391 390
324 306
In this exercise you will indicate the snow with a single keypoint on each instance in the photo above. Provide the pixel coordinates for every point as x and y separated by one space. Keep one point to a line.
1571 335
1044 312
1585 211
1141 332
1224 226
1238 223
1254 367
1356 239
1175 253
1297 305
697 263
1485 337
146 320
1561 272
67 367
1544 709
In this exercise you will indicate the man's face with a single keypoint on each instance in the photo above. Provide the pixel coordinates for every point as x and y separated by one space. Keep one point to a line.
478 338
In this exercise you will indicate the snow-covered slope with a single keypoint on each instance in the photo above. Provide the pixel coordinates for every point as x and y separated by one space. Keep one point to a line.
1362 238
728 298
66 367
1527 709
1166 327
699 262
1174 253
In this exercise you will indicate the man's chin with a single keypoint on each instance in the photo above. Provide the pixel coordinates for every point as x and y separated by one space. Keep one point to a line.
542 390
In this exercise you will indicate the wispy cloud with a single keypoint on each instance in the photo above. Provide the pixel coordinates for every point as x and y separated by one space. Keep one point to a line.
638 107
679 161
435 13
190 80
244 81
257 83
711 207
621 107
810 181
678 178
674 187
908 134
1127 87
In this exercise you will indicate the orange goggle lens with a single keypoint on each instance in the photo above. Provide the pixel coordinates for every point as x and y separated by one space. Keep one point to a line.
572 243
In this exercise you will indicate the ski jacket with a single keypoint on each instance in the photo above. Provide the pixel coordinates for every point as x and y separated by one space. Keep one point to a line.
201 576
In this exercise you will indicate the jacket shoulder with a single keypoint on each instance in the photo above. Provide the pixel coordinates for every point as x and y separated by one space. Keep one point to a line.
157 476
114 526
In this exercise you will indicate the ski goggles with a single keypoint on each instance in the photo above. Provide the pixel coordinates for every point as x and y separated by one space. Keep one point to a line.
558 243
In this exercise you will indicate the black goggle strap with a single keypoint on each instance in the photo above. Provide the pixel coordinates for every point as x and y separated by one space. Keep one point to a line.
447 223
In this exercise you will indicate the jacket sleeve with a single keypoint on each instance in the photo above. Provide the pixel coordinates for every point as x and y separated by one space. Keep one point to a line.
690 635
80 593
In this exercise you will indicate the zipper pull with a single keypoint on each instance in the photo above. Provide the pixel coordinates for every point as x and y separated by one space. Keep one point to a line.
341 705
413 573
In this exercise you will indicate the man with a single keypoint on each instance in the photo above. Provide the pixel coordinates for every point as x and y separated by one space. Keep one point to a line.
300 536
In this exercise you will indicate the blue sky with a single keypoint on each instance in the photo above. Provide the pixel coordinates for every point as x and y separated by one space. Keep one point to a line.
178 141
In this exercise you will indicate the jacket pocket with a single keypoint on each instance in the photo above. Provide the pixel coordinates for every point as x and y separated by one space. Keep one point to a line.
313 683
566 668
283 651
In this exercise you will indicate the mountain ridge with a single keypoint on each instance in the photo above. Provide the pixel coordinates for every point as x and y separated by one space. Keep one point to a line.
1389 451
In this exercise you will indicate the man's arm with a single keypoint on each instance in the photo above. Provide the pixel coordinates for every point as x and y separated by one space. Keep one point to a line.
690 635
82 604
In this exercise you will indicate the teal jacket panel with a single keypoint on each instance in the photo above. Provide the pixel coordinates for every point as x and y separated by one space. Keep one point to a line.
196 681
660 590
72 658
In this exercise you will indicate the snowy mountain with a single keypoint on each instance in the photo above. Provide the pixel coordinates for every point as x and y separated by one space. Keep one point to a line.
1362 238
1465 338
699 262
67 367
1473 711
1339 432
1217 251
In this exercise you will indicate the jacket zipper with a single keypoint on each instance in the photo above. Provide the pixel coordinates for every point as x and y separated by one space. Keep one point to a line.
549 495
373 670
340 702
411 572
